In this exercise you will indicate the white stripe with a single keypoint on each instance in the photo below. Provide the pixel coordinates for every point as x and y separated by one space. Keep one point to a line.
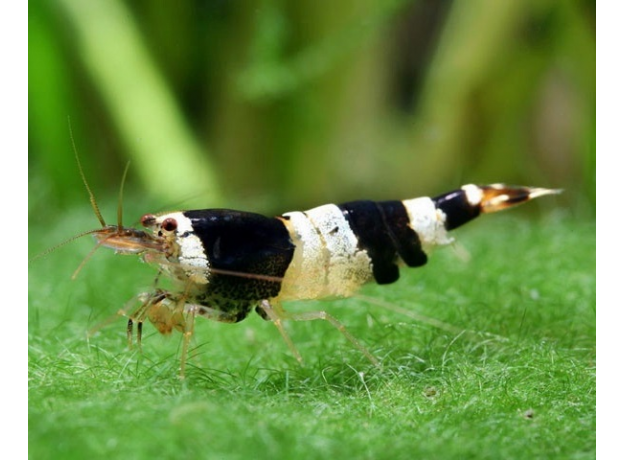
327 259
474 194
305 276
427 221
192 258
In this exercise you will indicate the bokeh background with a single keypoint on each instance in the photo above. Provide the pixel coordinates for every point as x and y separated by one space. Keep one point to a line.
277 105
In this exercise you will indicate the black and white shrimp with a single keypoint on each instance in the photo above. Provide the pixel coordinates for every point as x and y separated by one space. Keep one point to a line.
225 263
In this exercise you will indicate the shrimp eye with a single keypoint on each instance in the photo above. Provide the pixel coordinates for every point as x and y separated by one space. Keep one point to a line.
169 224
148 220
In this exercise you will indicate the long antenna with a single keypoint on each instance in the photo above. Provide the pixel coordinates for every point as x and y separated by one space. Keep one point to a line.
120 204
94 205
63 243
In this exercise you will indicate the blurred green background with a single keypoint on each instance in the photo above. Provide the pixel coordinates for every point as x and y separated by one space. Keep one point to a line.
277 105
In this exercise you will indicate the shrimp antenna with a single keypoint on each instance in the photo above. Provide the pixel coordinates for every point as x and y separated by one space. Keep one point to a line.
94 204
61 244
120 203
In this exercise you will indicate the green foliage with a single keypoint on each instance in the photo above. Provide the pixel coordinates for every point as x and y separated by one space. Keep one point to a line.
492 357
290 104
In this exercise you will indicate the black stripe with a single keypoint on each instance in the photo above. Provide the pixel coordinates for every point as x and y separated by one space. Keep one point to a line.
367 223
244 243
404 238
457 208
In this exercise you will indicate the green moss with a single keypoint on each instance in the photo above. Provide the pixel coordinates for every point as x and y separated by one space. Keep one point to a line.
501 366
